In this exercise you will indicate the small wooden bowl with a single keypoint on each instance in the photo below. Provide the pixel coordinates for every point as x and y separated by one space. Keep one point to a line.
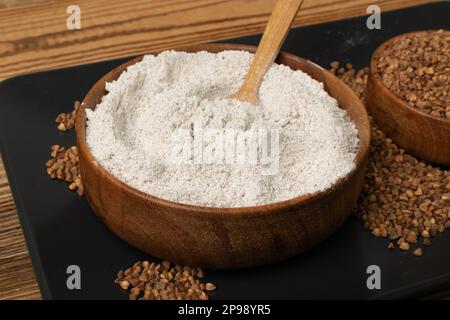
417 132
223 237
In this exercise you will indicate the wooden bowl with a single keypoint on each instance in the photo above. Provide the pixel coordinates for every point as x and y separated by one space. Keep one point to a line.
223 237
417 132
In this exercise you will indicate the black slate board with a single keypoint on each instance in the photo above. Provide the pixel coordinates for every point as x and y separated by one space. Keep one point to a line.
61 229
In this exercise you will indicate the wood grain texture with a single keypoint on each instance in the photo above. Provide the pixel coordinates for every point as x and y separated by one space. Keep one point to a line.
17 279
229 237
36 37
33 37
419 133
15 3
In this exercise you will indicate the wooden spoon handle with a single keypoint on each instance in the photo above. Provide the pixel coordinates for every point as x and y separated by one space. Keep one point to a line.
277 28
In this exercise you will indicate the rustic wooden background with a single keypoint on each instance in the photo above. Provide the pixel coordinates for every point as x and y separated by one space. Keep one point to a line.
33 36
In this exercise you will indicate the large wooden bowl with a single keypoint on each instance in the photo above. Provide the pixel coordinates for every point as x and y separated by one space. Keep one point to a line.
223 237
417 132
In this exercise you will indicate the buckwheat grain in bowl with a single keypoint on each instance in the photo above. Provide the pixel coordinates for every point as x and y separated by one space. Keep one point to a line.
416 67
408 93
144 175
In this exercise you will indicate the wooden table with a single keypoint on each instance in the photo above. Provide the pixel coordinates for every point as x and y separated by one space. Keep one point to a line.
34 36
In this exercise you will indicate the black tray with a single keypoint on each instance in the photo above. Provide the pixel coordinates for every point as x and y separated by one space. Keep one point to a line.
61 229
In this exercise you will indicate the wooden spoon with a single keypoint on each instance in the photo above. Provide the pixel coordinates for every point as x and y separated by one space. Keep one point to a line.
277 28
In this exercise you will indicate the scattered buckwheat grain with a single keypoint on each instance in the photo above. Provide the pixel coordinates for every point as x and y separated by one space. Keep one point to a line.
163 281
66 121
63 165
418 252
403 198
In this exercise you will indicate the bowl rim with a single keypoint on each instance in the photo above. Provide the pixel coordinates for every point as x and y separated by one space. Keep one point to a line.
398 101
253 211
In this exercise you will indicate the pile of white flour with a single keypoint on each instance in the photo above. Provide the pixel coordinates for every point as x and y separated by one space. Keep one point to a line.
161 129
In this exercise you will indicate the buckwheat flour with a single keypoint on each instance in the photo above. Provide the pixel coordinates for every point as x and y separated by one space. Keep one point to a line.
161 129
